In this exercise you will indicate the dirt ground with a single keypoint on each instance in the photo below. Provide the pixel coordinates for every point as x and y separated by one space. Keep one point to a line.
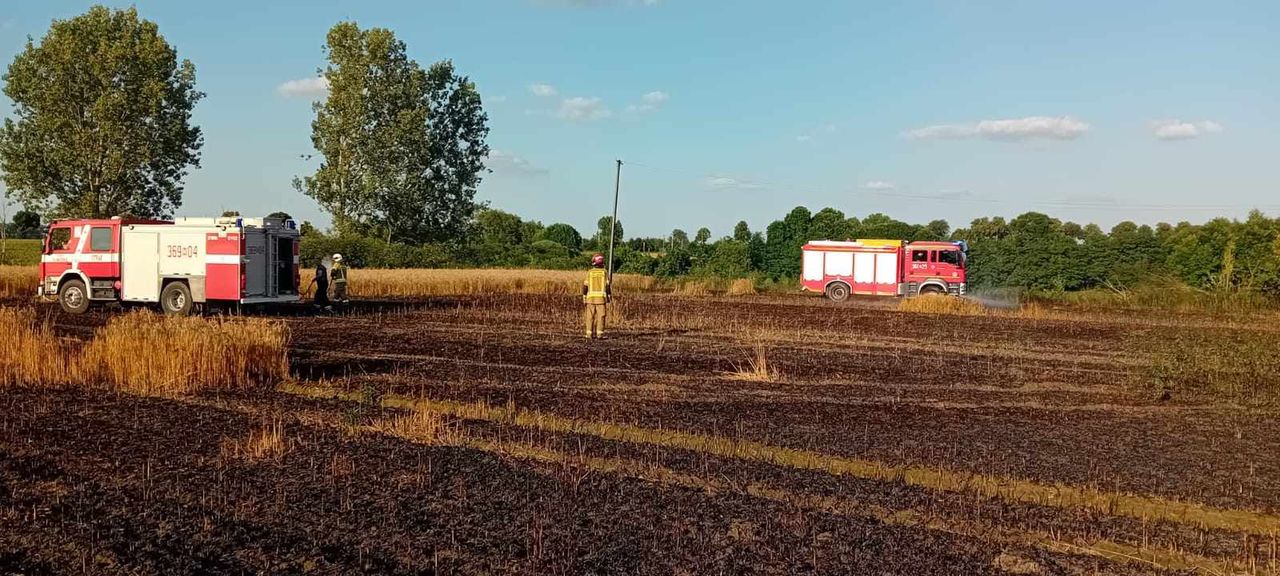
656 451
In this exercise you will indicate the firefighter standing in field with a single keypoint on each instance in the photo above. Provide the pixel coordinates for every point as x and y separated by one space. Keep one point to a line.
338 274
321 283
596 293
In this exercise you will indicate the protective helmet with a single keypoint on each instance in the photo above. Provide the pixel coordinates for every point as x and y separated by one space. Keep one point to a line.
597 260
337 257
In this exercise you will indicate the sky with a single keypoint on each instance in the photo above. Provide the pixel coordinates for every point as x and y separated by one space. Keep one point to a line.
1090 111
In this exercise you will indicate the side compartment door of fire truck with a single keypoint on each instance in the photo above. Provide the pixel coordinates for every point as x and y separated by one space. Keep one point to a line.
139 265
256 265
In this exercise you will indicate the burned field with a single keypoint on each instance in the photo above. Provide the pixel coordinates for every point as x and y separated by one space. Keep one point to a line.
482 435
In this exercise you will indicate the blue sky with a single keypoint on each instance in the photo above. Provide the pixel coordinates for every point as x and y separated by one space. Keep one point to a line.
721 111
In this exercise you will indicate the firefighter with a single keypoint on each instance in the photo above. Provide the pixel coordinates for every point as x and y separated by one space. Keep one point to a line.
321 283
596 293
338 274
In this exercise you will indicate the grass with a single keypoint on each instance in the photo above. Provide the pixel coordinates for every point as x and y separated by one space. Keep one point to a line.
1171 296
1240 366
22 252
431 427
29 351
266 442
423 282
420 282
757 368
742 287
939 304
1146 508
148 354
423 426
18 281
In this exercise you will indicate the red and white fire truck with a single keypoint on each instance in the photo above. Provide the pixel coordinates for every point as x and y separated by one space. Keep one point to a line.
883 268
178 264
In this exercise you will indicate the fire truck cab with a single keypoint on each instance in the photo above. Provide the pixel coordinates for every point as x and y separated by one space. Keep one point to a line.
883 268
178 264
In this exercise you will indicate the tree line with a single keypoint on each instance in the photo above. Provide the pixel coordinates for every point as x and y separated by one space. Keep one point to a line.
1032 251
102 126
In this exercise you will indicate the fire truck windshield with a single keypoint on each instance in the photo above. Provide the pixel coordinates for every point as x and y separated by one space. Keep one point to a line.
952 257
59 239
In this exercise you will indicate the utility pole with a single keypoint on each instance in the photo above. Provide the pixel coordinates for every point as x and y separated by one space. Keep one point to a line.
4 228
613 223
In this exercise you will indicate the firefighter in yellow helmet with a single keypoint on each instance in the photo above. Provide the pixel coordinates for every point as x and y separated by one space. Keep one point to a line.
338 274
596 293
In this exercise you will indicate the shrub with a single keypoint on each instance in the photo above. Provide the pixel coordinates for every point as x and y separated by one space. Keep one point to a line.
362 252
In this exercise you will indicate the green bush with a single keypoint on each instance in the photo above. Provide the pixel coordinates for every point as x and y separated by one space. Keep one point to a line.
363 252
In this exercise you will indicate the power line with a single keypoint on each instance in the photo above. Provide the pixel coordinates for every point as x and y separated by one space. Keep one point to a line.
961 198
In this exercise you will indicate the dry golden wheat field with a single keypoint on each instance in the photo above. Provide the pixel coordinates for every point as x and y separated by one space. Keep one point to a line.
456 422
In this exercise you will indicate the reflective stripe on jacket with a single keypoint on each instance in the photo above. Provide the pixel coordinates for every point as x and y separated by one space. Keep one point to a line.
338 274
597 286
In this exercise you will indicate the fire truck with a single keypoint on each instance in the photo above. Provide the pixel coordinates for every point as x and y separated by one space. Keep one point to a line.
176 264
883 268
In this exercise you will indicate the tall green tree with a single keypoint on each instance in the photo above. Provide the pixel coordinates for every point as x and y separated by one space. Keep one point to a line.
102 119
882 226
601 238
403 147
934 230
564 235
727 259
679 238
783 241
829 224
26 224
1197 254
1257 265
1042 255
742 232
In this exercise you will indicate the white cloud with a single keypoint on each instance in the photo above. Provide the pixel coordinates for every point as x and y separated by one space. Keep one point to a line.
649 102
507 163
1029 128
879 185
656 97
543 90
1174 129
578 109
305 87
727 183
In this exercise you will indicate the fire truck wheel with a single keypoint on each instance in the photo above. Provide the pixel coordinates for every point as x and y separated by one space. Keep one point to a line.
838 291
931 289
176 299
73 297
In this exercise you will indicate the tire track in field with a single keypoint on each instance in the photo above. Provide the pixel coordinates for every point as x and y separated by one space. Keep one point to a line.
1057 495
